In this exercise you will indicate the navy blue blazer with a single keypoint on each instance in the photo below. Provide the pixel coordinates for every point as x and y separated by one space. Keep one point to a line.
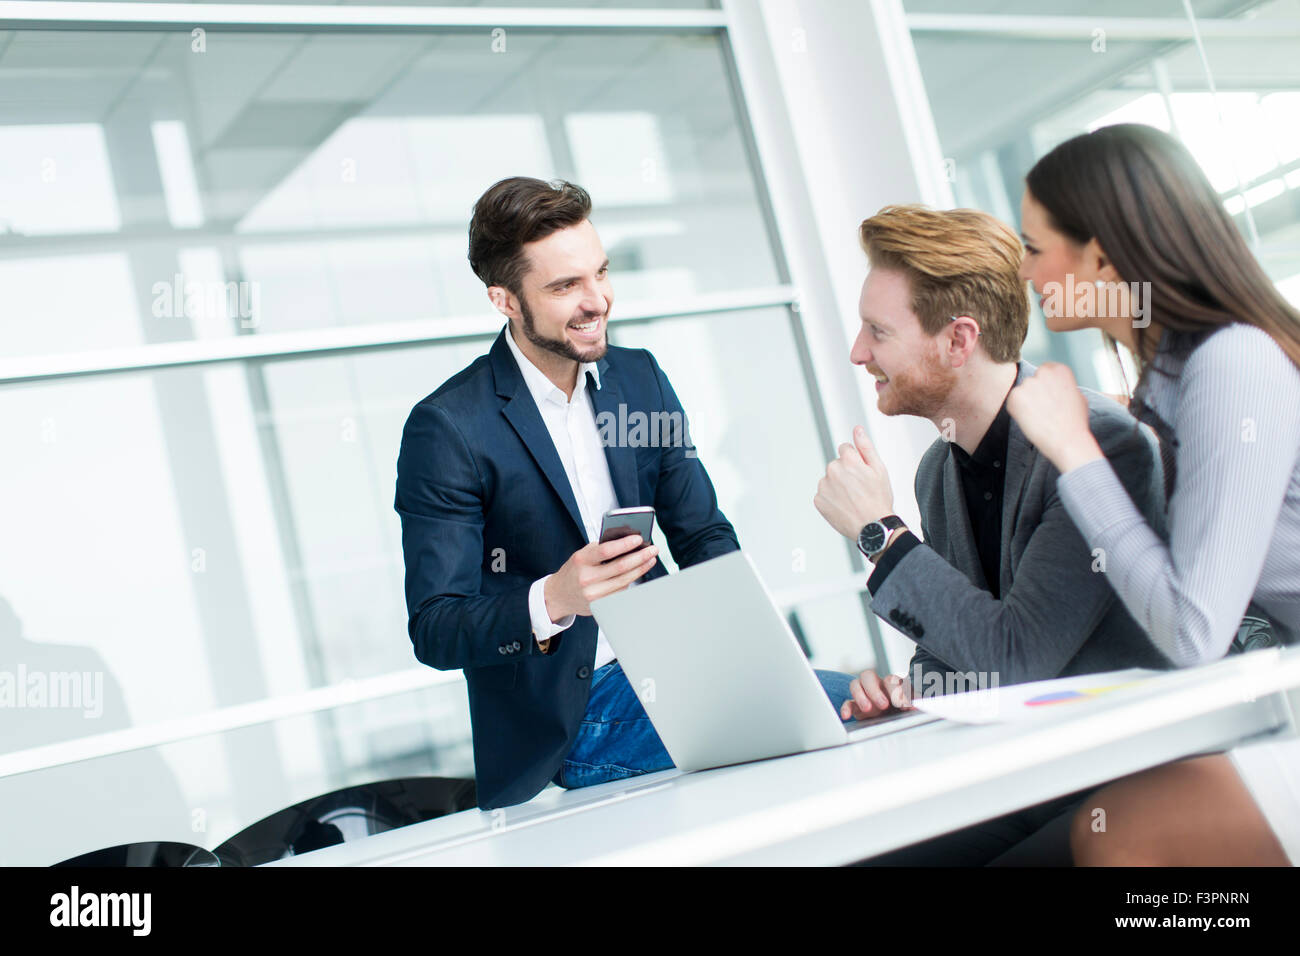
486 510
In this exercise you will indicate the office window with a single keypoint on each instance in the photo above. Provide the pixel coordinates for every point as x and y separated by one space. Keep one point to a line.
204 789
1003 96
577 4
335 424
335 197
1258 78
220 534
753 426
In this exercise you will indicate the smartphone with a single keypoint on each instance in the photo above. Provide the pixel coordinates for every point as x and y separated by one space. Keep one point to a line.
621 522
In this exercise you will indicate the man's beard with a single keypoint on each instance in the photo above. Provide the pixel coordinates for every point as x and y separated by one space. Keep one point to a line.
559 346
922 392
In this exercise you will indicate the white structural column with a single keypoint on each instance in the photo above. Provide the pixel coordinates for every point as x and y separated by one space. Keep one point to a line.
843 127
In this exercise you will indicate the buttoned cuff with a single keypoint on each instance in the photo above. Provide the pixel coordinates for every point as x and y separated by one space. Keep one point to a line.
896 552
543 627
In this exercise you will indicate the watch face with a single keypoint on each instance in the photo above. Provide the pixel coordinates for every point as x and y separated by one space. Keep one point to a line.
872 538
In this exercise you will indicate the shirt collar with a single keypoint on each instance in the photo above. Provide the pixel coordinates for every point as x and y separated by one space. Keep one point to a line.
541 387
993 446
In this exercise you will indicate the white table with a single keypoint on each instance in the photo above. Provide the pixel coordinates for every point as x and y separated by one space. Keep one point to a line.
846 803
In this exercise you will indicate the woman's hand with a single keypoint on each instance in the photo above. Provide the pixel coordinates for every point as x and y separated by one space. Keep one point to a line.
1053 414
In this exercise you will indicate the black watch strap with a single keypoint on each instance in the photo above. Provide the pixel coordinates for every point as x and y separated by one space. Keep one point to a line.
889 523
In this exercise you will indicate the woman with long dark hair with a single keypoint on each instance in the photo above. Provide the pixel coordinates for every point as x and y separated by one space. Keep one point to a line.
1124 233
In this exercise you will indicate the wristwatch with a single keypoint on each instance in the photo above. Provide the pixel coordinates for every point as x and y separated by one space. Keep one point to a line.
873 538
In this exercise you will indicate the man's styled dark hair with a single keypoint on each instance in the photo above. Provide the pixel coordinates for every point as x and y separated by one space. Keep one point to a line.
516 211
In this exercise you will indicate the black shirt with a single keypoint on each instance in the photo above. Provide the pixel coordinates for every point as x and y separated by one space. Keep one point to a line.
982 478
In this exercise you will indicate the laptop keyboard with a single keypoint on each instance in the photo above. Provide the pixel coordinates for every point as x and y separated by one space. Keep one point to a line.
887 724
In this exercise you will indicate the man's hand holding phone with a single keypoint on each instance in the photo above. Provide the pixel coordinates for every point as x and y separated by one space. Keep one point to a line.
593 572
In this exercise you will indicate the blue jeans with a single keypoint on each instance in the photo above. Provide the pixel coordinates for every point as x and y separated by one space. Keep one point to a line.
616 738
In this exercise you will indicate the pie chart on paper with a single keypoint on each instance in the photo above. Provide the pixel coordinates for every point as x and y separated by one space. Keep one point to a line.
1086 693
1031 700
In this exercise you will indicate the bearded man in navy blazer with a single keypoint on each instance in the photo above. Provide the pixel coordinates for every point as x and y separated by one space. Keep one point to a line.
503 477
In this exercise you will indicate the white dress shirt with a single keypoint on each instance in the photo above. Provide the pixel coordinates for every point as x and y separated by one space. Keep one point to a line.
572 427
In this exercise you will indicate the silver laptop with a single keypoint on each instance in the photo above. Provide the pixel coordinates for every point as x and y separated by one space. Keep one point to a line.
720 674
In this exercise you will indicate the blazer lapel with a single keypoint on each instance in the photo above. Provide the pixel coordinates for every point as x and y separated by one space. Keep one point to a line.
606 400
1019 452
961 538
521 411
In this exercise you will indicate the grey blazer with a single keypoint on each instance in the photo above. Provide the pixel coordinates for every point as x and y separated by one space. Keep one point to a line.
1057 615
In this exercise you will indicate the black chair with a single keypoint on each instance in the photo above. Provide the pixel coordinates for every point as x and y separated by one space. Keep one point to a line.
346 815
145 854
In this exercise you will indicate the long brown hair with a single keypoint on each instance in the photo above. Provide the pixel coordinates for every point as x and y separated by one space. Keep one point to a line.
1140 193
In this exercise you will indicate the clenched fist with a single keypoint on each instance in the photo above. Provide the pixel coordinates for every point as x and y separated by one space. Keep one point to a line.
856 489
